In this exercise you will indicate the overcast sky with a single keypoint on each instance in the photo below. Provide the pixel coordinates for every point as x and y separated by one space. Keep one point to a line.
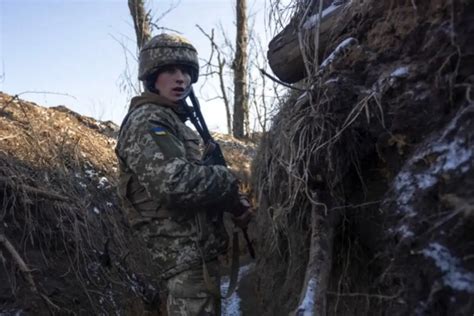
68 47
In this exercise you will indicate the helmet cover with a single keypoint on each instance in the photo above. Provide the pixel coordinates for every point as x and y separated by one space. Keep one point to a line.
165 50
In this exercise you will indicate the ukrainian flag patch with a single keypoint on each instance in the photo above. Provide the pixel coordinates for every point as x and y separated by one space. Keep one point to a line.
160 131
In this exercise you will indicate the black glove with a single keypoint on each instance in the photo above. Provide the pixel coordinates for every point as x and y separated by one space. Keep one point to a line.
213 155
242 213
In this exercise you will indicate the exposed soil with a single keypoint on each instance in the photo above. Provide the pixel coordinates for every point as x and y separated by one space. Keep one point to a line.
364 183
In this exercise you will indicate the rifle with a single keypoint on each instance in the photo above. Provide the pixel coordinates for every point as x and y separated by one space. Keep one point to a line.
214 156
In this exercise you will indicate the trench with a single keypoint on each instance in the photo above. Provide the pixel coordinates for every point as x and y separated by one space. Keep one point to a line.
244 299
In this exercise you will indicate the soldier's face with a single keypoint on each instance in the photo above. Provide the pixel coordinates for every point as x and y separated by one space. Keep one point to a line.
172 83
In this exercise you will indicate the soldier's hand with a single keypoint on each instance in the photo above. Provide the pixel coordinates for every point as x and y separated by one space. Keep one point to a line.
208 150
242 214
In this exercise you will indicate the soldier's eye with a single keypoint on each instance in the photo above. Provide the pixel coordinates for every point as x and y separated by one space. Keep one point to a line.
169 69
185 70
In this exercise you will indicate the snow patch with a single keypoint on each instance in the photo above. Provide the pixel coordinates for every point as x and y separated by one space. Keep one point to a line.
231 305
455 155
405 232
103 183
96 210
331 81
452 153
306 307
405 186
91 173
400 72
313 20
338 51
454 275
425 181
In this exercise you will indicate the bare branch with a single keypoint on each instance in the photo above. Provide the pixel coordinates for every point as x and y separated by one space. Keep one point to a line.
171 8
279 81
218 69
25 270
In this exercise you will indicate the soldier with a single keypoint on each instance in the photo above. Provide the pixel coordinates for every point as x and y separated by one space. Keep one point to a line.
173 201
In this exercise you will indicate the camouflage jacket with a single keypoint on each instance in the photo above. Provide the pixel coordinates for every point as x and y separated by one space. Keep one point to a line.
172 201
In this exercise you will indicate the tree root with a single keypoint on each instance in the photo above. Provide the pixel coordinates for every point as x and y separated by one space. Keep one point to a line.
25 270
312 299
32 190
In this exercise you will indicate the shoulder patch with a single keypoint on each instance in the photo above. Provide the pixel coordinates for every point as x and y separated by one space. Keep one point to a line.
160 131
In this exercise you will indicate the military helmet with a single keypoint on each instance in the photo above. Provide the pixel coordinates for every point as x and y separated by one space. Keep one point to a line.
164 50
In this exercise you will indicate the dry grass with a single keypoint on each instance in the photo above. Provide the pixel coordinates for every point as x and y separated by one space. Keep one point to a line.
341 143
62 227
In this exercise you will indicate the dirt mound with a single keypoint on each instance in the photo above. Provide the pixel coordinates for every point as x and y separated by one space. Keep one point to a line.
238 155
365 182
64 242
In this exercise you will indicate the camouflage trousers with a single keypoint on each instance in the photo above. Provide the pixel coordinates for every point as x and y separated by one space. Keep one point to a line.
188 293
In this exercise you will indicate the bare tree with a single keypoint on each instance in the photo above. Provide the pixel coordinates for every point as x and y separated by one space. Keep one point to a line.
219 70
240 124
263 96
141 21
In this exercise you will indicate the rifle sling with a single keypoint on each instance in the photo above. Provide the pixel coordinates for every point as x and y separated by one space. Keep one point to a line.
234 272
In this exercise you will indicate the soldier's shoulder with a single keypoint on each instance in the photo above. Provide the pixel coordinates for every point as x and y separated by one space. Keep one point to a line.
146 113
150 110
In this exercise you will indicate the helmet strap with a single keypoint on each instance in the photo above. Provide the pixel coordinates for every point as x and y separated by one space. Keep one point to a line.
150 84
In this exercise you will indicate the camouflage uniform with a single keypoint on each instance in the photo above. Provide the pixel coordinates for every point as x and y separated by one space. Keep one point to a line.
173 202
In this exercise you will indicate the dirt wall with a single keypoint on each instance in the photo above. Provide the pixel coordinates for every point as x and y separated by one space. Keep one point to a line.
368 175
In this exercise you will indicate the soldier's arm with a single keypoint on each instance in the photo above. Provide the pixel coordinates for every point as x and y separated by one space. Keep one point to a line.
157 157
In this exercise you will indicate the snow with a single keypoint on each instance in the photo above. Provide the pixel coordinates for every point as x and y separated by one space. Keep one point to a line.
452 153
338 51
454 276
313 20
331 81
405 232
306 307
90 173
405 186
96 210
400 72
425 181
456 154
231 306
103 183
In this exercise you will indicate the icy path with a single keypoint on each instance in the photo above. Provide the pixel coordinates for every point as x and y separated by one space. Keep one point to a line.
231 306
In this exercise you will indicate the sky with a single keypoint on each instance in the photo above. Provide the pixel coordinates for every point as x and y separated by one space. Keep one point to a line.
69 52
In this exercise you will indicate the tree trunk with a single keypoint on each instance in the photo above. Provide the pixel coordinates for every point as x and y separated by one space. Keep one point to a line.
141 21
284 54
221 65
318 270
240 72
